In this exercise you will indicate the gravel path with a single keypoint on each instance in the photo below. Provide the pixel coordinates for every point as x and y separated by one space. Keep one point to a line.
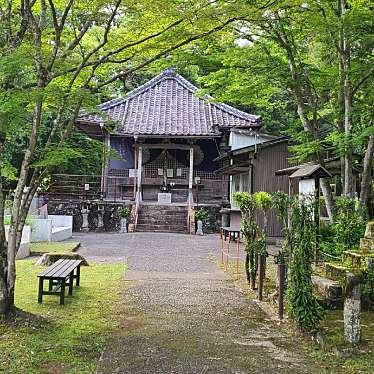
182 314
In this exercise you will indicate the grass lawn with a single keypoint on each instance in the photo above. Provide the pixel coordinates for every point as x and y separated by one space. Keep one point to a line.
50 338
46 247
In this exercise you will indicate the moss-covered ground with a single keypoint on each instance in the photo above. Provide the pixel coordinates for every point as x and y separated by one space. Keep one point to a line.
335 353
50 338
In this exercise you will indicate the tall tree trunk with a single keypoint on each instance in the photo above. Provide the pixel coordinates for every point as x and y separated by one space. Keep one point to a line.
310 127
345 54
366 179
6 296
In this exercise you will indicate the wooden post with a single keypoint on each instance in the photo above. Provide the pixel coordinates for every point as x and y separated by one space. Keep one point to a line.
261 275
139 175
190 180
316 216
281 275
135 168
105 168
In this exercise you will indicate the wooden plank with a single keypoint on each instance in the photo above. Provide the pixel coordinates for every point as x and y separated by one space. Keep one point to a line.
60 268
51 268
70 269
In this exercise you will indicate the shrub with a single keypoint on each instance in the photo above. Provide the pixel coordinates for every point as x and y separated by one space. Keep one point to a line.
349 224
201 215
124 212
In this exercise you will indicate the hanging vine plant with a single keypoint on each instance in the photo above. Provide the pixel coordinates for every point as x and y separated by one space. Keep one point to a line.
303 307
281 206
247 205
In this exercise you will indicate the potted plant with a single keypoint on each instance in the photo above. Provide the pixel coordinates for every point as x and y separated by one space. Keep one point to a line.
201 216
125 213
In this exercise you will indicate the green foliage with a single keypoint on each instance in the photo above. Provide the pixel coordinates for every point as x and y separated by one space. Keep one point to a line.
349 224
124 212
367 285
281 204
201 215
263 200
302 304
327 239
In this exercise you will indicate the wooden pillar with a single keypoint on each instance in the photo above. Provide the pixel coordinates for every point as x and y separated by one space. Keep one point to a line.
135 174
139 175
105 168
190 180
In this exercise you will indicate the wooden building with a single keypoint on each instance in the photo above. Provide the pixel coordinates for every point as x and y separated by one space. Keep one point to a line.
169 140
253 168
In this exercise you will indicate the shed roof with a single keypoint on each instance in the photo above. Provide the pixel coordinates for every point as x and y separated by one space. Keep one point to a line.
310 171
168 105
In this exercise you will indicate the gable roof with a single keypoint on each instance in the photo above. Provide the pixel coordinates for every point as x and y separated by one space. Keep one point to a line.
168 105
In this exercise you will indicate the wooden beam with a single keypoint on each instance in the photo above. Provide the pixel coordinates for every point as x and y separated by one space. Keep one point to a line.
163 146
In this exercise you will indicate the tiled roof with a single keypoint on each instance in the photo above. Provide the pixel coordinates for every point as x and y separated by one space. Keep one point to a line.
168 105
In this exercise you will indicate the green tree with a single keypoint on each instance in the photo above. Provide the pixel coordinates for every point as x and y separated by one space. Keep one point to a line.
57 57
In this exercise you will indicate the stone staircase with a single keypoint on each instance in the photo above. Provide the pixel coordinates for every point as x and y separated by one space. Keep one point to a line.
162 218
330 285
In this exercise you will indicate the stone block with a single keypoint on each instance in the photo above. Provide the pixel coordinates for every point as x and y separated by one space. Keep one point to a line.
369 232
367 245
353 259
327 288
336 272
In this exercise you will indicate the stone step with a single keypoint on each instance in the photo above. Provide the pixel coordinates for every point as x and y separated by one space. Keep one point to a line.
163 222
162 218
163 207
335 271
327 287
161 228
329 292
353 259
160 215
367 245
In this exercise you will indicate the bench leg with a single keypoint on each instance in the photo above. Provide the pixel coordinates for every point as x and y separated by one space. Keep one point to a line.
50 285
62 293
78 277
40 291
71 283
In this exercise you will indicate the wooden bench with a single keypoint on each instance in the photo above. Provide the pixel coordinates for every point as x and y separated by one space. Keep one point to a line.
60 275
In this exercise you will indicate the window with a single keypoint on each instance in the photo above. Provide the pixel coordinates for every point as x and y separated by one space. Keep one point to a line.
239 183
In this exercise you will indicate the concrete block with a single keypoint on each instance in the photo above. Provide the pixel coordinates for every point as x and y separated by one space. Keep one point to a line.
42 230
24 249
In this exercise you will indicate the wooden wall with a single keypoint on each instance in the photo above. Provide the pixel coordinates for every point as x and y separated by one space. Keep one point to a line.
268 160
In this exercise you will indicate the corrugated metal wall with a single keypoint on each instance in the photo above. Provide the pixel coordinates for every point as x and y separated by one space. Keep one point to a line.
268 160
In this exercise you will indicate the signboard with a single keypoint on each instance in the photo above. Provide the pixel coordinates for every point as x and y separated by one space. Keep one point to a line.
306 186
132 173
169 173
164 198
86 187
